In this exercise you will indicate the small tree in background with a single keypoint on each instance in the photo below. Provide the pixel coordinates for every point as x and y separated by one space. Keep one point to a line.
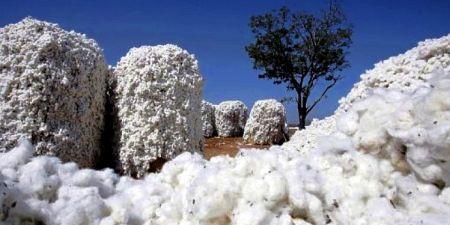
300 50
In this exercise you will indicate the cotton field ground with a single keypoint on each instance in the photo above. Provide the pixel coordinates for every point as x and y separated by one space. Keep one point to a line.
216 146
227 146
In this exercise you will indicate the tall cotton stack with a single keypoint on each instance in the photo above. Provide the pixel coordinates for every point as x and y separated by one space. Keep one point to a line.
267 123
231 117
209 128
52 86
405 72
159 106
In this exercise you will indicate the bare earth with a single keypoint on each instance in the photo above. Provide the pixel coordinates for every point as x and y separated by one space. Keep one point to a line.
226 146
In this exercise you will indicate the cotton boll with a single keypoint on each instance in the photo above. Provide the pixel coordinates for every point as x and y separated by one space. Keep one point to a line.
276 187
371 134
214 204
254 189
348 123
445 196
39 178
253 214
78 206
213 195
119 211
103 180
18 156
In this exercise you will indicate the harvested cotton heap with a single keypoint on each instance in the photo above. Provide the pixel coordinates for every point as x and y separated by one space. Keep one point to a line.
158 97
209 128
267 123
405 72
345 180
52 86
415 136
307 139
231 117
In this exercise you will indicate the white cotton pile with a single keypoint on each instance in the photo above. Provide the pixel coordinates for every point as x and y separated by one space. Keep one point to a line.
231 117
52 90
158 97
405 72
42 189
307 139
413 131
354 177
209 127
266 123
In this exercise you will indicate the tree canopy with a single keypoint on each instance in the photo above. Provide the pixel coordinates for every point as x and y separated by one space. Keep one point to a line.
301 49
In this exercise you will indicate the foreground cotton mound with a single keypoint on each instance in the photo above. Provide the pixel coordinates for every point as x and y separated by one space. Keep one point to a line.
52 86
231 117
405 72
267 123
209 128
373 170
158 96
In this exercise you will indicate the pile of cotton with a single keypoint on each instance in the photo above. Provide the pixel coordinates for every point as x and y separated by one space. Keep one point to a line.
209 128
373 170
42 190
413 131
306 140
158 96
231 117
267 123
405 72
52 86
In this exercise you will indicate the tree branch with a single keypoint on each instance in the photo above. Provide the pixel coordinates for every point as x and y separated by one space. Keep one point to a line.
323 94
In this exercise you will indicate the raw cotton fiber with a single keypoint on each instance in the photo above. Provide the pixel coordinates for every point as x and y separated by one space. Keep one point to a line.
158 97
52 90
267 123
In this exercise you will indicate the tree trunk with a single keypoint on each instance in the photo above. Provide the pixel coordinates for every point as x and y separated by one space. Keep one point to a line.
301 116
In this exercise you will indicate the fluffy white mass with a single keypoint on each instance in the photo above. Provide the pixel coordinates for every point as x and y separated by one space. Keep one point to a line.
410 130
351 178
52 90
208 118
158 96
267 123
231 117
405 72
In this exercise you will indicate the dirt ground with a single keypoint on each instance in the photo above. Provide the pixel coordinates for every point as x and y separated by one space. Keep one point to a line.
226 146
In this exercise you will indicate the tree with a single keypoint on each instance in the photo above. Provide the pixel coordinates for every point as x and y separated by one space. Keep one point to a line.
301 50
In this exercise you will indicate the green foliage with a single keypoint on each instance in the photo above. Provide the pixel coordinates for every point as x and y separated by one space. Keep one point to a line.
301 49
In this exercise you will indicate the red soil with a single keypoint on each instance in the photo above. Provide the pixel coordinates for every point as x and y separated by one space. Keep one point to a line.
226 146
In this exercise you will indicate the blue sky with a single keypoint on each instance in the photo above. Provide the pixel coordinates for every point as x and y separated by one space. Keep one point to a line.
217 31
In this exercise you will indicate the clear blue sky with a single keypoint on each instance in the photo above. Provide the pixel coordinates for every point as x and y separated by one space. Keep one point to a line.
217 31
